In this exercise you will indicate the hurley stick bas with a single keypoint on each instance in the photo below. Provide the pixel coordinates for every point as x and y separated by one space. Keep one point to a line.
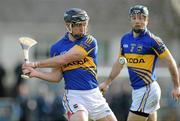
26 43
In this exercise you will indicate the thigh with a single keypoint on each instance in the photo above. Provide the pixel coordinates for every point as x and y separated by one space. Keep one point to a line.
79 116
146 99
152 117
98 108
110 117
135 117
74 107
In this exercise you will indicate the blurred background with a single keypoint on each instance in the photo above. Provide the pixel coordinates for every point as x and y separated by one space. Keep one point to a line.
37 100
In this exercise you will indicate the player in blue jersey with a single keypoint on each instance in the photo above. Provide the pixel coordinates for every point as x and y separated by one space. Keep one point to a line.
74 58
141 49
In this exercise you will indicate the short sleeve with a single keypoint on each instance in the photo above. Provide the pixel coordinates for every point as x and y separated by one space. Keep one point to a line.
87 46
52 51
121 50
159 47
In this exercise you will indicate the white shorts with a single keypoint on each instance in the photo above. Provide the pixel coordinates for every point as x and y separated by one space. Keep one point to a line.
146 99
90 101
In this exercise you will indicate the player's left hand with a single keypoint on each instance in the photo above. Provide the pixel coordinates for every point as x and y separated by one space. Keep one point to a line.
176 93
103 87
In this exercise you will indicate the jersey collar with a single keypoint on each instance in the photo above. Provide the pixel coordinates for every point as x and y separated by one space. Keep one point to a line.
67 36
142 33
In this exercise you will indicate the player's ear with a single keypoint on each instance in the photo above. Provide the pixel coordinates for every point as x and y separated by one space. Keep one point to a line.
68 26
147 19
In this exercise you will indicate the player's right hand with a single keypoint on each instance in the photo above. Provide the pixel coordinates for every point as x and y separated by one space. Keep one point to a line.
104 87
30 64
176 93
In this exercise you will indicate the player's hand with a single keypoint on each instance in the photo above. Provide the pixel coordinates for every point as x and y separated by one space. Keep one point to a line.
176 93
31 72
104 87
30 64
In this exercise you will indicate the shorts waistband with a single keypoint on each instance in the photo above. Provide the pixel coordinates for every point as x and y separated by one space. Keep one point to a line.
82 91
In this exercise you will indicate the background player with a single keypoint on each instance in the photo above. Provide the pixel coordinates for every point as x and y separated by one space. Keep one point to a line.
141 49
74 57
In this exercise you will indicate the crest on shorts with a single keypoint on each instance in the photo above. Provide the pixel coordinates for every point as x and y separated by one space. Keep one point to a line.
75 106
107 111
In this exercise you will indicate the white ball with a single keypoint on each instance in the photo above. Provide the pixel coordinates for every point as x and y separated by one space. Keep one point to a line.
122 60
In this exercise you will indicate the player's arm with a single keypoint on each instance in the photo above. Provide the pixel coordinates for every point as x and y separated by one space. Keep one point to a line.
173 69
54 76
116 69
73 54
172 66
117 66
163 53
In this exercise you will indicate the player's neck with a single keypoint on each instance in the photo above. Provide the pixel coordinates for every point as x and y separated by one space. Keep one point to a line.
135 34
71 38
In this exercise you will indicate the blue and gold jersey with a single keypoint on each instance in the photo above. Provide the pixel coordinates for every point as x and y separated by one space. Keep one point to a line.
81 74
142 53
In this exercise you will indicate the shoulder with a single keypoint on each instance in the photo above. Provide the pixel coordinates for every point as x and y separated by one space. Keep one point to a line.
89 39
58 42
125 36
55 46
154 38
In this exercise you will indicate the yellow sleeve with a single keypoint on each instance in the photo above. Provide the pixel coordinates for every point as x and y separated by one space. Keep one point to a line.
166 52
81 49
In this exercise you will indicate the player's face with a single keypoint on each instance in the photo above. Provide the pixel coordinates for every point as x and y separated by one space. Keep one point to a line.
79 28
139 21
